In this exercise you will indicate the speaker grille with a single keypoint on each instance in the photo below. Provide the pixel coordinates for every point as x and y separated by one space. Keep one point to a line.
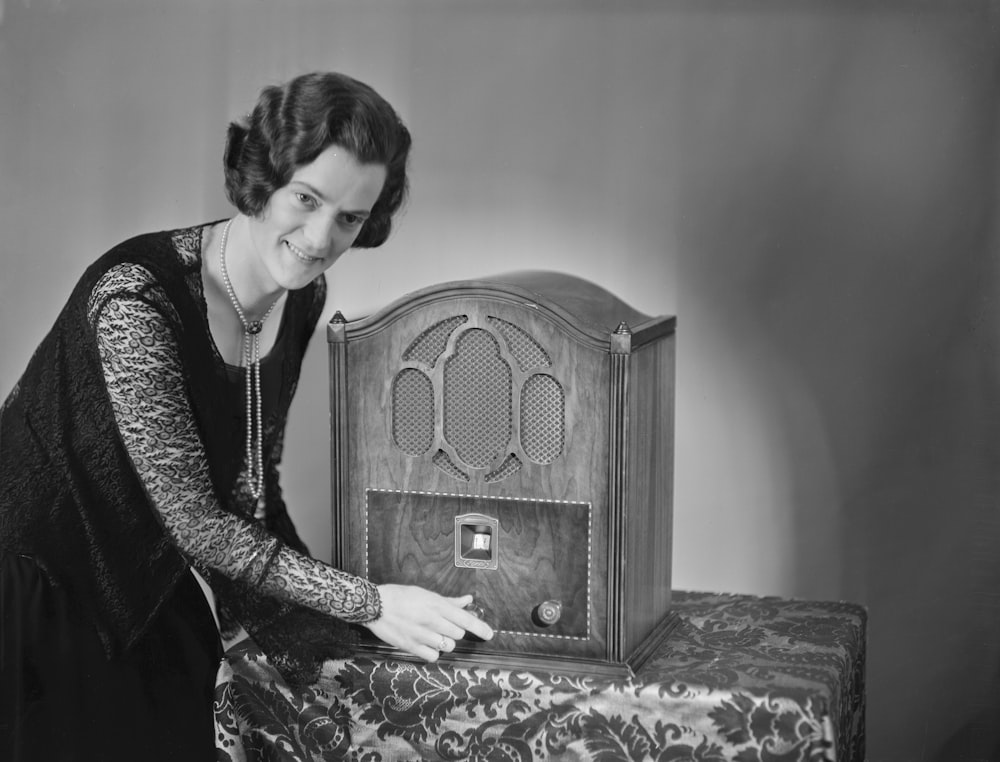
429 345
525 349
412 411
477 399
477 395
543 418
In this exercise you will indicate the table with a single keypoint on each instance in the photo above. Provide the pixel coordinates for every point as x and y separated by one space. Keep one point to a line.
753 679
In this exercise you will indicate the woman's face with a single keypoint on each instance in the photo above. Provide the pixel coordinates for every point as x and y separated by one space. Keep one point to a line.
310 222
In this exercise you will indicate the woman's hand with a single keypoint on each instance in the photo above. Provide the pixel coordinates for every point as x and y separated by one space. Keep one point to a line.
423 623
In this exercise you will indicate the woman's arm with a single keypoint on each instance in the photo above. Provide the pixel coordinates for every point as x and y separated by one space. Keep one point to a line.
145 380
142 369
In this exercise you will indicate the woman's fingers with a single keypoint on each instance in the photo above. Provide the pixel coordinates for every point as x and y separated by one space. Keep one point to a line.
466 620
452 619
420 642
445 644
449 629
423 623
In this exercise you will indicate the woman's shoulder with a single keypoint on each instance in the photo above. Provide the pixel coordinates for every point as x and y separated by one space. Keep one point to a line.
164 253
179 246
146 263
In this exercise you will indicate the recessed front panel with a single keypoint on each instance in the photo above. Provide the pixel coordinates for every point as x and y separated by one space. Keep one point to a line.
527 562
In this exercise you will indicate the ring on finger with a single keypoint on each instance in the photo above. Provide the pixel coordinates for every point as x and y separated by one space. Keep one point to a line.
443 644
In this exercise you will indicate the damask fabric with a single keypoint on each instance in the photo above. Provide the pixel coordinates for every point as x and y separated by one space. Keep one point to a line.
741 678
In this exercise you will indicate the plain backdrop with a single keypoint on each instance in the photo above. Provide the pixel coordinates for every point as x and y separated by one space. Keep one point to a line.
811 186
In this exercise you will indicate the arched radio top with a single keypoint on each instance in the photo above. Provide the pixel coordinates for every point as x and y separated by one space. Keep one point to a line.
590 313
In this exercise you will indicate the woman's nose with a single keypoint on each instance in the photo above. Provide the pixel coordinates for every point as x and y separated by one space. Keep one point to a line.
319 232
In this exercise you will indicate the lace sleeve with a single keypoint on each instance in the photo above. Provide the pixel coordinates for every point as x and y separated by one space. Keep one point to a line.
142 370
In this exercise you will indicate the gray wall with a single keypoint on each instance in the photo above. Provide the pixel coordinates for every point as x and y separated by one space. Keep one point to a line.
809 185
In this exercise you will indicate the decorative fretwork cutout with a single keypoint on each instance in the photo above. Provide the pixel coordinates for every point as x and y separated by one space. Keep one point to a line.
528 353
442 461
477 397
510 466
429 345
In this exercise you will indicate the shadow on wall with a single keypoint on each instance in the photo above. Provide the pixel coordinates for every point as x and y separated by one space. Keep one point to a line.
854 286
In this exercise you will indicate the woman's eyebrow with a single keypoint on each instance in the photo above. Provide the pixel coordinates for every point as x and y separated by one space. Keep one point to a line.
315 192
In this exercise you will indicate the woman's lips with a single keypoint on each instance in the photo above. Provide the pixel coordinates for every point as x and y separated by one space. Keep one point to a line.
303 256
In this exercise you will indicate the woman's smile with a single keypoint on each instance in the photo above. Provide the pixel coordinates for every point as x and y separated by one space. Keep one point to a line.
302 255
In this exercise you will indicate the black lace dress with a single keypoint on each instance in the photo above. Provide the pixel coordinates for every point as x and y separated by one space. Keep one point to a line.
122 467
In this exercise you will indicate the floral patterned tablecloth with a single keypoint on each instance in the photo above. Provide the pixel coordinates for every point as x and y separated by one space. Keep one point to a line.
741 678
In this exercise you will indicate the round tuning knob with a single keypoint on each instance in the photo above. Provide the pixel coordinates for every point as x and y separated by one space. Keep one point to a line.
547 613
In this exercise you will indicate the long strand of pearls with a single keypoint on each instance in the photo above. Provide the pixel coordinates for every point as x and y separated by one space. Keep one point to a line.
251 361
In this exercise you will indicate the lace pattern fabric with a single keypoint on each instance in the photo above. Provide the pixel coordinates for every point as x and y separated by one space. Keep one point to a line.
134 325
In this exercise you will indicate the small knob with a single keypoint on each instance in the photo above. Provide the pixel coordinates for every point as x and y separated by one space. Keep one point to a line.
547 613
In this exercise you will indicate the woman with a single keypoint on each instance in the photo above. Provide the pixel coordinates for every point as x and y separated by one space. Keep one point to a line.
140 449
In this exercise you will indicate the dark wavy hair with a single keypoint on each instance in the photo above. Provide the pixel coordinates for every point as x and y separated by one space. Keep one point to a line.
294 123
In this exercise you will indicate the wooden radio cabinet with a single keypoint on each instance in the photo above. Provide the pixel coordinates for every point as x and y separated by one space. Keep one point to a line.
512 437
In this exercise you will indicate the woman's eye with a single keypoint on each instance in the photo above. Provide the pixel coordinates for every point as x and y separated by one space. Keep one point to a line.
351 220
305 199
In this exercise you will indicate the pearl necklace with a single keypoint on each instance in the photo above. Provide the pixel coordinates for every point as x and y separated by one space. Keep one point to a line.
251 361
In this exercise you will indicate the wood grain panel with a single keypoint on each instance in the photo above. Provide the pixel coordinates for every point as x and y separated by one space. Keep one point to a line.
649 530
542 547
